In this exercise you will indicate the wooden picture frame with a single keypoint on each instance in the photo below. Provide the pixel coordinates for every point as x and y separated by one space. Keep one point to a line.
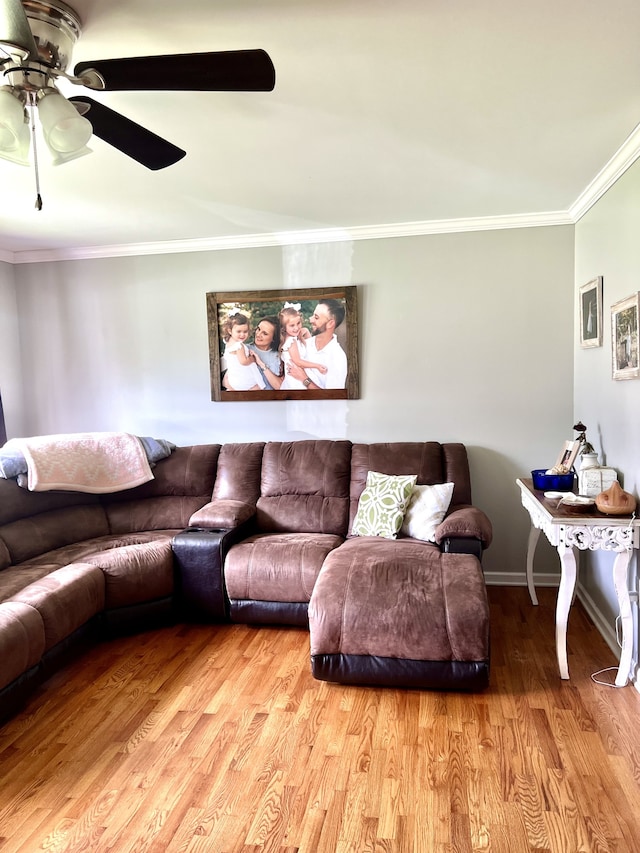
590 306
624 338
324 351
567 455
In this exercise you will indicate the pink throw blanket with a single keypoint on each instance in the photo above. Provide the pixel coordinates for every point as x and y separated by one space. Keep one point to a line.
96 462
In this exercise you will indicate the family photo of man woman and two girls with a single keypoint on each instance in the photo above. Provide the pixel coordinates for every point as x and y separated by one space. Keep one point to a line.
285 350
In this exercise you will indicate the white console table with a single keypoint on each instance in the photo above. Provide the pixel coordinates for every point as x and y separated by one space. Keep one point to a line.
569 533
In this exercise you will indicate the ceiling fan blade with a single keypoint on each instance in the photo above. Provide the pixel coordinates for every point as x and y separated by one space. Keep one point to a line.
221 71
15 33
132 139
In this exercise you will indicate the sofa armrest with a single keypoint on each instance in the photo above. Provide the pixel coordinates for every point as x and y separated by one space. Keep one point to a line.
225 514
464 523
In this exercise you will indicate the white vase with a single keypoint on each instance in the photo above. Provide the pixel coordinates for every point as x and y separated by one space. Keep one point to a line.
588 460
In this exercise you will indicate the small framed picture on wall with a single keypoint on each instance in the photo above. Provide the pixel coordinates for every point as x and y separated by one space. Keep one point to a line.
624 337
590 298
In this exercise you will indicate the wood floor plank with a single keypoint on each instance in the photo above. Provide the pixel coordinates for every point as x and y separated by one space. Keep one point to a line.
201 738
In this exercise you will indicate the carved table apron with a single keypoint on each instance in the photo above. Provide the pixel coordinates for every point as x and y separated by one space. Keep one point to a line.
569 533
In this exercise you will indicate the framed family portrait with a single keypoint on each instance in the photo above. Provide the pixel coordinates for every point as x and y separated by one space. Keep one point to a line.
284 344
624 337
590 298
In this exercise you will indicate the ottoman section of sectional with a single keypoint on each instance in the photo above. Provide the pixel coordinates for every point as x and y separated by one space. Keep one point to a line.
400 613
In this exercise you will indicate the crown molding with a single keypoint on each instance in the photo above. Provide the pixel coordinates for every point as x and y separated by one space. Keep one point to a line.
622 160
624 157
290 238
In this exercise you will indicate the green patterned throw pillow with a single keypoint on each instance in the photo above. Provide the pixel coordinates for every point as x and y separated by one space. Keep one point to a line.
382 505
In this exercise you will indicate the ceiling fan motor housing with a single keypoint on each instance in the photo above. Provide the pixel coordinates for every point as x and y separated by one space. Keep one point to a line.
55 27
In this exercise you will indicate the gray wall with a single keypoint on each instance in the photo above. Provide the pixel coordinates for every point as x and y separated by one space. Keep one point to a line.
607 244
10 363
464 337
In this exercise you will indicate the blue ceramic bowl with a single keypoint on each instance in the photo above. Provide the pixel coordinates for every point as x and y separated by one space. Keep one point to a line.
552 482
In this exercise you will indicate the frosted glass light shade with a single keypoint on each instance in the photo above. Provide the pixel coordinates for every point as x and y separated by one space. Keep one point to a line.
65 131
12 122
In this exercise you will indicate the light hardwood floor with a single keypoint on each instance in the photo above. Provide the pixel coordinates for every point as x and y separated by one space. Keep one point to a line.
209 739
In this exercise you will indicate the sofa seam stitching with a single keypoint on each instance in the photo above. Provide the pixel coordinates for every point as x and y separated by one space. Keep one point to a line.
454 654
344 604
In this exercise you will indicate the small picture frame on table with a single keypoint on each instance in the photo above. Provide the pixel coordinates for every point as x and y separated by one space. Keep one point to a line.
590 299
567 455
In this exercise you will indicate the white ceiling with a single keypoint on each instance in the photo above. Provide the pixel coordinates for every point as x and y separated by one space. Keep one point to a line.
384 113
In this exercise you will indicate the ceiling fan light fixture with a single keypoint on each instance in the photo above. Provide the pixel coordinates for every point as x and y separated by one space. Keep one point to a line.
65 131
12 120
20 153
59 159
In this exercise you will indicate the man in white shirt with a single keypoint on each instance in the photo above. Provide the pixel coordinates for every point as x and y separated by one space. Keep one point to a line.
323 347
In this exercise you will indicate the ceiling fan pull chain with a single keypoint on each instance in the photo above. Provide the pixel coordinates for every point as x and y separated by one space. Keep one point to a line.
36 169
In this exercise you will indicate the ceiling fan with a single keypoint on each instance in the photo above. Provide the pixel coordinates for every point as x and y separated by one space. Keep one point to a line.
36 41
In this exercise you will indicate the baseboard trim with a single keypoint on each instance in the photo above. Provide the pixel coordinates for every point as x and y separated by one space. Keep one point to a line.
509 579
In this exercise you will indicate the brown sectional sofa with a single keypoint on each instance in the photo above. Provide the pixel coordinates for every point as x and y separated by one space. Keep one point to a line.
257 533
75 564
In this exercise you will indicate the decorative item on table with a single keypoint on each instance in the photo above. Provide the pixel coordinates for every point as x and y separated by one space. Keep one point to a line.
561 476
593 478
588 455
577 503
553 479
615 501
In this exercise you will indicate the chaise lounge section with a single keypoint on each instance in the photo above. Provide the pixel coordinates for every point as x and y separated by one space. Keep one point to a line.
406 612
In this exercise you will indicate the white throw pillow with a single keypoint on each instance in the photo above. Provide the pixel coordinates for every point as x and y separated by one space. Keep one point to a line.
382 505
428 506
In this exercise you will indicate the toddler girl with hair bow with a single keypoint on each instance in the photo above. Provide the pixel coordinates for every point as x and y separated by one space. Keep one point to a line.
242 370
293 349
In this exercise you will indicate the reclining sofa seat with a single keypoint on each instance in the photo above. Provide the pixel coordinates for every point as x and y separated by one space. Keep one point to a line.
301 514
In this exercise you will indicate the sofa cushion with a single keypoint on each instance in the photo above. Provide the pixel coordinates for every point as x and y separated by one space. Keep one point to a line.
17 503
400 599
304 487
382 505
278 566
22 641
183 482
46 531
16 578
136 573
239 471
65 599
